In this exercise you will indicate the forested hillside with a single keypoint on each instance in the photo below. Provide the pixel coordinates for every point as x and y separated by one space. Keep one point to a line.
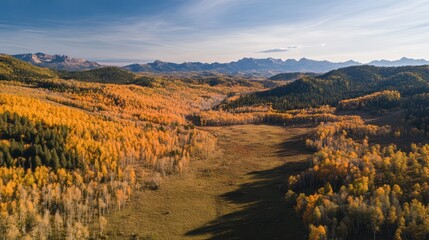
292 76
338 85
107 75
14 69
375 102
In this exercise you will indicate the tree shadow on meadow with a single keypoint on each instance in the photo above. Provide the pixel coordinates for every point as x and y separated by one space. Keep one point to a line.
266 215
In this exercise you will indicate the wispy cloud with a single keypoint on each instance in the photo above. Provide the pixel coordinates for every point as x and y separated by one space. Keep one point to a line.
225 30
274 50
210 8
278 50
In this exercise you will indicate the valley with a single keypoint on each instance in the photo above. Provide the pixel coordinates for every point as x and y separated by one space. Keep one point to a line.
235 194
111 154
214 119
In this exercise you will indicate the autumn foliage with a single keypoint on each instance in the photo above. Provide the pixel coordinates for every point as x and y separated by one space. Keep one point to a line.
71 152
375 102
362 190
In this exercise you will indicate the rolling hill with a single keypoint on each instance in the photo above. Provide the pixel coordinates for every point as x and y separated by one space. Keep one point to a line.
15 69
291 76
340 84
107 75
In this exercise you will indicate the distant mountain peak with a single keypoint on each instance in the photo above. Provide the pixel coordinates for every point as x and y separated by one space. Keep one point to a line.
58 62
352 62
404 61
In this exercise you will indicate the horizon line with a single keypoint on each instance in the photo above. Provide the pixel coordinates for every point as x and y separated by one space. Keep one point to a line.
126 61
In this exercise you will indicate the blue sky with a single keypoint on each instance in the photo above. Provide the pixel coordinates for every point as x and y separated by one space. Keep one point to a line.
128 31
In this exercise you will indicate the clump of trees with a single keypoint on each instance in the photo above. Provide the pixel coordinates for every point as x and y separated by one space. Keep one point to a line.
30 145
361 190
292 76
263 115
377 102
222 118
417 111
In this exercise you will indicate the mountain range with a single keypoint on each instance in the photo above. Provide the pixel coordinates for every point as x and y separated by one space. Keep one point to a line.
398 63
246 65
264 67
57 62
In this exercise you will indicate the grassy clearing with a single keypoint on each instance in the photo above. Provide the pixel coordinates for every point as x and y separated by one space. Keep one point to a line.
237 194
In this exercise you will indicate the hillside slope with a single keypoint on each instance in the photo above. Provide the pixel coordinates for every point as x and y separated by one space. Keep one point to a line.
14 69
340 84
292 76
107 75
